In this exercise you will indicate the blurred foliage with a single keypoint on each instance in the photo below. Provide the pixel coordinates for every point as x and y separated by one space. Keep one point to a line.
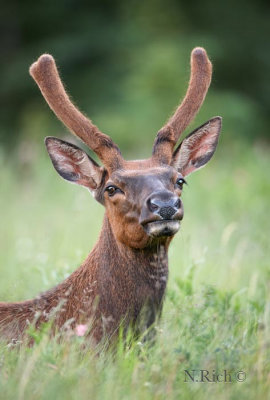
126 64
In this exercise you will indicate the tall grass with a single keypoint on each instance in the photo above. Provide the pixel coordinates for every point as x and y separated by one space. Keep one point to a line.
217 310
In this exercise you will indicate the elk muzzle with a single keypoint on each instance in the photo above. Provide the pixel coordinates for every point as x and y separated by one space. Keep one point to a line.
161 214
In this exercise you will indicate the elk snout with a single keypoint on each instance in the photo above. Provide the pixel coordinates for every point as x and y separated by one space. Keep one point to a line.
161 214
165 209
164 205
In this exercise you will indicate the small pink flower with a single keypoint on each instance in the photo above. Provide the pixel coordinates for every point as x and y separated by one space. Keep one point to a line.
81 330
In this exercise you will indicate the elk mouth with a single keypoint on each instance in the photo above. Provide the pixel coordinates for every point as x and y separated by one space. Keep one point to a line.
165 227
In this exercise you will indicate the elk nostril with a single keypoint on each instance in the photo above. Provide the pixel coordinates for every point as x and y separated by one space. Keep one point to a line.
177 204
152 206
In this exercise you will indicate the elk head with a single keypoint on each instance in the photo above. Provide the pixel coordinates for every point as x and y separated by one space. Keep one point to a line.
142 197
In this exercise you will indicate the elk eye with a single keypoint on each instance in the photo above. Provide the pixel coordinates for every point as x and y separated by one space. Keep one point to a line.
180 182
112 190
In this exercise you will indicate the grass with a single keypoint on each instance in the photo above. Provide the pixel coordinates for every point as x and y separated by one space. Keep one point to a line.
216 315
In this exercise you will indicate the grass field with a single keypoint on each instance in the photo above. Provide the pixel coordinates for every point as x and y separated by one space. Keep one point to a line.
217 310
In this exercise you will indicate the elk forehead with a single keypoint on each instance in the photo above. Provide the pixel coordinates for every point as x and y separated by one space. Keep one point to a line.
141 178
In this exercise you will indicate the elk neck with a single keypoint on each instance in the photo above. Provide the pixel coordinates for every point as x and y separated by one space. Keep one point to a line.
115 259
127 280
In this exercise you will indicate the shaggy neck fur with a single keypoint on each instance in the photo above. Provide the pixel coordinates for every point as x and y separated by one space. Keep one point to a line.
115 285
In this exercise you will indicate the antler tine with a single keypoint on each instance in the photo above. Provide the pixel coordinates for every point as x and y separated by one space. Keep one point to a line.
44 72
200 78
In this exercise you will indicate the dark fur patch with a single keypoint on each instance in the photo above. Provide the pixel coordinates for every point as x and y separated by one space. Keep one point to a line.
162 139
164 136
109 144
69 176
99 196
198 162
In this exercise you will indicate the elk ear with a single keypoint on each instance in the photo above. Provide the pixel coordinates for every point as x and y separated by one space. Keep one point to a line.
197 148
73 164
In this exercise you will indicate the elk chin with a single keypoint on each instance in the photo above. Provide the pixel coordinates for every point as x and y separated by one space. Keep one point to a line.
162 228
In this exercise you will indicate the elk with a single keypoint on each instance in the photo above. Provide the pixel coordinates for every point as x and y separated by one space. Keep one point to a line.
123 280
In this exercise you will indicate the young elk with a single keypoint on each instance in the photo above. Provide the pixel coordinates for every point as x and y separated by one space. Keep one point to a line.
124 278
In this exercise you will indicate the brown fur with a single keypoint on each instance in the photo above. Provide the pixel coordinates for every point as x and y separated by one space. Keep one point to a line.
123 280
200 79
45 73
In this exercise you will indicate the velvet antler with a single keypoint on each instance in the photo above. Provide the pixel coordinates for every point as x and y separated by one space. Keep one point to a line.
200 78
44 72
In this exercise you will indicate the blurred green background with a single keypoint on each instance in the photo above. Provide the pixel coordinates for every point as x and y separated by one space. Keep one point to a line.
126 64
